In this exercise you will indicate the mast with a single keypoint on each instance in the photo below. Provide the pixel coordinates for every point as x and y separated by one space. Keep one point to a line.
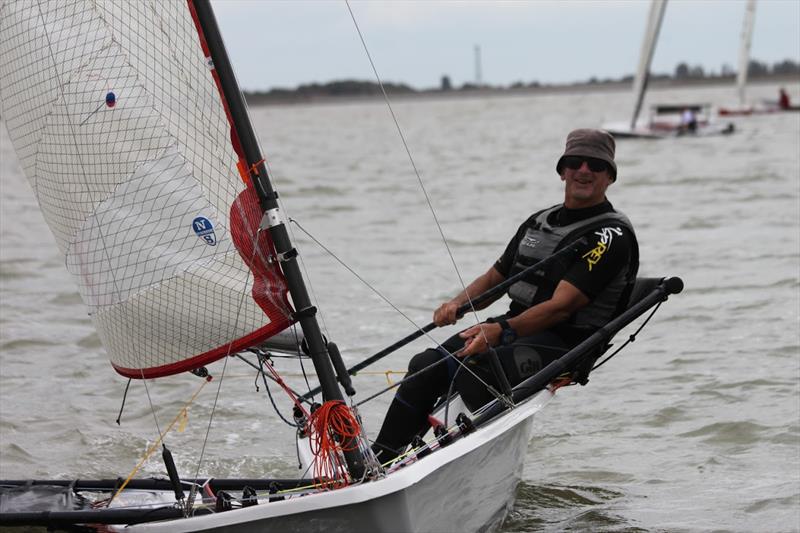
654 18
744 48
268 200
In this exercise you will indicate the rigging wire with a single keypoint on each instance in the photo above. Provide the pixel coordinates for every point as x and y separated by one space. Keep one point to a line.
239 309
457 359
631 338
269 392
99 228
414 167
499 396
150 401
358 276
300 355
117 291
158 441
193 490
275 377
306 273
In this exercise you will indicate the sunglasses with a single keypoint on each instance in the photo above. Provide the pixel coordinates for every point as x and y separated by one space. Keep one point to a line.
574 162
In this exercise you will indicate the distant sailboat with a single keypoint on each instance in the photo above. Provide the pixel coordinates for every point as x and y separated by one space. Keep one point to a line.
741 76
664 120
744 63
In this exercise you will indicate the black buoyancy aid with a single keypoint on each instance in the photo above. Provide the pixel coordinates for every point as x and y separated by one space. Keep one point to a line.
542 239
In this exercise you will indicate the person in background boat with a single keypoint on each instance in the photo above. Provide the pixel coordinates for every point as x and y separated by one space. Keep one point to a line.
783 99
688 121
550 312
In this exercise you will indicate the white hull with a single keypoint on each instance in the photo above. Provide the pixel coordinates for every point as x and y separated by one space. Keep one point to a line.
464 487
624 131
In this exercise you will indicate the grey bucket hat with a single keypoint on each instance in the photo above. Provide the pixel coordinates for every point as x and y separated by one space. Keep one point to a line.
590 143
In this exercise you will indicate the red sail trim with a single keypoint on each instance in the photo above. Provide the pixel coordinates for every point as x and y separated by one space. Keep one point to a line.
197 361
269 289
255 247
258 252
237 145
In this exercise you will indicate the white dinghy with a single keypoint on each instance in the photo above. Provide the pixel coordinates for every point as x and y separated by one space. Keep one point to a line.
662 121
128 122
745 108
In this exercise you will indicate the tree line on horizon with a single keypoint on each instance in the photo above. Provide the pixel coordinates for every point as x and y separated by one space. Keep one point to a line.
683 72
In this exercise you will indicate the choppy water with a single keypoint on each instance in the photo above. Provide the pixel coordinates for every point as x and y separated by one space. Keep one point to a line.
694 427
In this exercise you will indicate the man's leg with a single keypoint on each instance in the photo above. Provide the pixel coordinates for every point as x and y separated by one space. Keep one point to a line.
414 400
548 345
520 360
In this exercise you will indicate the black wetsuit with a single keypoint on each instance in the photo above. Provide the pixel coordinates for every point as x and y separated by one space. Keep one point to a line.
612 251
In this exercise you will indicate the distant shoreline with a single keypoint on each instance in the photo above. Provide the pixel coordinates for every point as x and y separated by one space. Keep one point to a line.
298 97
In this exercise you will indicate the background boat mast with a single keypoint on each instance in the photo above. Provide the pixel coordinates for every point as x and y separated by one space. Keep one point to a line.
744 49
654 18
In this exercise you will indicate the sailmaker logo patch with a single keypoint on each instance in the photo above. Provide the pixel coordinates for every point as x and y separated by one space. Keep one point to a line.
606 235
205 230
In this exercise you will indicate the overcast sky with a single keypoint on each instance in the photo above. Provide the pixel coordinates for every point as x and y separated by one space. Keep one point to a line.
275 43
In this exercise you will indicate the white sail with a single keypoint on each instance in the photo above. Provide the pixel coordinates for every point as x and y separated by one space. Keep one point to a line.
122 133
654 19
744 49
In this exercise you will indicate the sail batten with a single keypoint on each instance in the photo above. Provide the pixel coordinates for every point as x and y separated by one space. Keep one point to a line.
121 131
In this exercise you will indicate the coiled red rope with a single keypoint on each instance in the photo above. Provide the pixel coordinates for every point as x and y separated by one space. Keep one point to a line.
332 429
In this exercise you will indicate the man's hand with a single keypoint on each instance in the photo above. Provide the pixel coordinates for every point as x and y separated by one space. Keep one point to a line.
477 337
446 314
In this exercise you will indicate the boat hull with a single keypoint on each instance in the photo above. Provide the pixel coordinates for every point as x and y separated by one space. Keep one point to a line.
621 131
466 486
748 111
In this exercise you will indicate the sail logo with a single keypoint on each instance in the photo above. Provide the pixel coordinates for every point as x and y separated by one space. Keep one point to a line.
205 230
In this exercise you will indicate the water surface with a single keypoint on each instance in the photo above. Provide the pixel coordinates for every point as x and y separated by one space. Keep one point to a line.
693 427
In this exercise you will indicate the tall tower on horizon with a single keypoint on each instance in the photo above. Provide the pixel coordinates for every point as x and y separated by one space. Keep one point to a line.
478 73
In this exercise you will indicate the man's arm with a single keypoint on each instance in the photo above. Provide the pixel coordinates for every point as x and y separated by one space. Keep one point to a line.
587 277
497 273
446 313
566 300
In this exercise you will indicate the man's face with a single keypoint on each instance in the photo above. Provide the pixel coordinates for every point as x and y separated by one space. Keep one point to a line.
584 187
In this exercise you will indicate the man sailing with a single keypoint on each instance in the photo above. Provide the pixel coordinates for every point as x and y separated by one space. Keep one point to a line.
551 311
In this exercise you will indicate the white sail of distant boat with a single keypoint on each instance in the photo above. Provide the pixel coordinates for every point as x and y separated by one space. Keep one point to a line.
654 19
135 137
667 120
745 108
744 50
